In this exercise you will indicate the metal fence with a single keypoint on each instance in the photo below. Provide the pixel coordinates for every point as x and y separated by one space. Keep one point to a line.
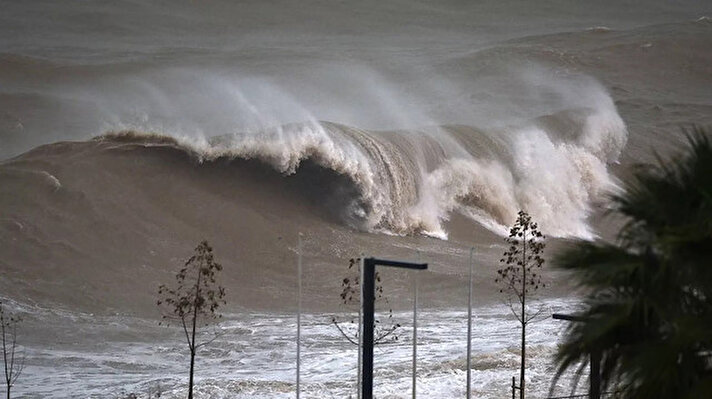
603 395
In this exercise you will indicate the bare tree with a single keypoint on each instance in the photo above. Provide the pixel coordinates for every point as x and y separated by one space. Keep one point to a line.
385 330
519 277
195 299
13 363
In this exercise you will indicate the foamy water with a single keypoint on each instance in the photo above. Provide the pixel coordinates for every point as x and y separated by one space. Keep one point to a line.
427 108
411 181
102 357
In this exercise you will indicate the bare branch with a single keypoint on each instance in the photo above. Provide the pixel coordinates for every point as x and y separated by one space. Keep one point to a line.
195 298
338 327
515 312
187 335
18 370
350 288
4 347
518 276
536 314
381 338
217 335
8 329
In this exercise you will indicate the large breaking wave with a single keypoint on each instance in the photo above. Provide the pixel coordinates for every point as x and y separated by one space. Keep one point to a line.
411 181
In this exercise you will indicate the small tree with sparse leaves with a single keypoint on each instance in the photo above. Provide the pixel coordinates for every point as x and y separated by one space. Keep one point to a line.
384 331
195 299
14 362
520 277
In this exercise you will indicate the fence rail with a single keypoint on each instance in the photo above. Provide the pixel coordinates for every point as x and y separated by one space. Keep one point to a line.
610 395
585 395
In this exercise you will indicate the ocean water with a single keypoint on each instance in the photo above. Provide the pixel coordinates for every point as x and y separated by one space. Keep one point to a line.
416 130
255 354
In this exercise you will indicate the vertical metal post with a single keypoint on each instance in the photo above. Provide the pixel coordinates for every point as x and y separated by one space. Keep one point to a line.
360 327
469 327
415 334
595 377
594 389
368 284
299 311
514 387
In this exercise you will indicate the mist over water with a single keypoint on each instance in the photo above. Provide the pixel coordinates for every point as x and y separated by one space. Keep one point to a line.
418 143
410 180
225 67
407 129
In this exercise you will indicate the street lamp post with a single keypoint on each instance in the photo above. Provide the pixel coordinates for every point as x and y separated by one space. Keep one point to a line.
369 296
594 390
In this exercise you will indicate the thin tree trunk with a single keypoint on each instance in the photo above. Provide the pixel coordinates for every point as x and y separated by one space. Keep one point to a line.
8 372
524 314
190 382
521 370
192 337
4 354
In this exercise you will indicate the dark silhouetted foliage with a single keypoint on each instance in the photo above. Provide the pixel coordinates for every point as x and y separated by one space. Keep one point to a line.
385 330
520 276
13 361
649 301
195 299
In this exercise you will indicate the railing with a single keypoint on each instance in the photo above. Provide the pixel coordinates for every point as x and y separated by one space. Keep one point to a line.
585 395
609 395
514 388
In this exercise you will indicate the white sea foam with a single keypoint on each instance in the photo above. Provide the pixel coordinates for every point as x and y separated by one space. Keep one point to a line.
53 180
599 29
551 163
555 180
256 356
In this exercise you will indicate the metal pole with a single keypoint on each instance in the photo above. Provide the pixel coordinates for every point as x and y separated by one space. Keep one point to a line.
595 378
469 326
368 284
360 327
299 310
415 333
594 390
514 387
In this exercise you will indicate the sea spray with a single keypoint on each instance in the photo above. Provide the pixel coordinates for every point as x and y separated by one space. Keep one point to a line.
410 181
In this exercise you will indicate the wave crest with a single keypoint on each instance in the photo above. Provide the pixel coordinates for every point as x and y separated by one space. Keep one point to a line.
409 182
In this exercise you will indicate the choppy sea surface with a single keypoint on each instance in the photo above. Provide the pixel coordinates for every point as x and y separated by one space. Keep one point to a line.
130 130
255 356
